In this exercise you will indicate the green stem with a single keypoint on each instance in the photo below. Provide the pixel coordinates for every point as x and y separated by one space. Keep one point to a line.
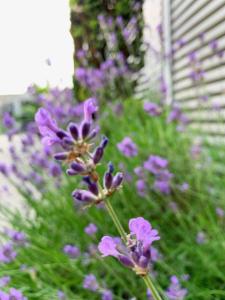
116 221
151 287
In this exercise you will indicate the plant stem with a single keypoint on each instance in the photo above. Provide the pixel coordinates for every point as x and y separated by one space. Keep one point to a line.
151 287
116 221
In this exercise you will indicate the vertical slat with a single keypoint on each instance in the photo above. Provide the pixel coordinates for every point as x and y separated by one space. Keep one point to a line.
167 38
186 20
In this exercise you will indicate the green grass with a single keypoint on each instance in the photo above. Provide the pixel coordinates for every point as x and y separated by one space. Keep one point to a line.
57 221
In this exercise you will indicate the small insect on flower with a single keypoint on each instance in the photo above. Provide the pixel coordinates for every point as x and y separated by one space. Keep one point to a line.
136 254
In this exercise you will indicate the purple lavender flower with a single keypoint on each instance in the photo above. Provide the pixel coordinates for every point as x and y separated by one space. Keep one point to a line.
4 169
8 121
141 187
4 296
61 295
90 283
4 281
15 294
7 253
184 187
162 181
107 295
201 238
174 291
71 250
152 109
139 171
155 255
47 127
90 109
17 237
55 169
155 164
137 252
91 229
128 147
220 212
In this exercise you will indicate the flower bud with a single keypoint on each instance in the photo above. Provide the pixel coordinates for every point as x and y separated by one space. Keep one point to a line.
79 168
74 131
71 172
61 156
104 142
98 155
92 186
68 141
108 179
61 134
84 196
85 129
117 180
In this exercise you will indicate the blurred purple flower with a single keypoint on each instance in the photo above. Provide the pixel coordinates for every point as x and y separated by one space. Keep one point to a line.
15 294
201 238
61 295
220 212
8 121
184 187
155 164
141 187
55 169
175 291
71 250
17 237
90 283
152 109
91 229
128 147
7 253
4 281
107 295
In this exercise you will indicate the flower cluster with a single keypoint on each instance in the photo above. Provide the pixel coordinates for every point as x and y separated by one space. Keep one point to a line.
136 253
78 153
157 166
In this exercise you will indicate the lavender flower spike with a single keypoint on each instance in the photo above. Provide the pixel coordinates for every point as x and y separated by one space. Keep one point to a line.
136 254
